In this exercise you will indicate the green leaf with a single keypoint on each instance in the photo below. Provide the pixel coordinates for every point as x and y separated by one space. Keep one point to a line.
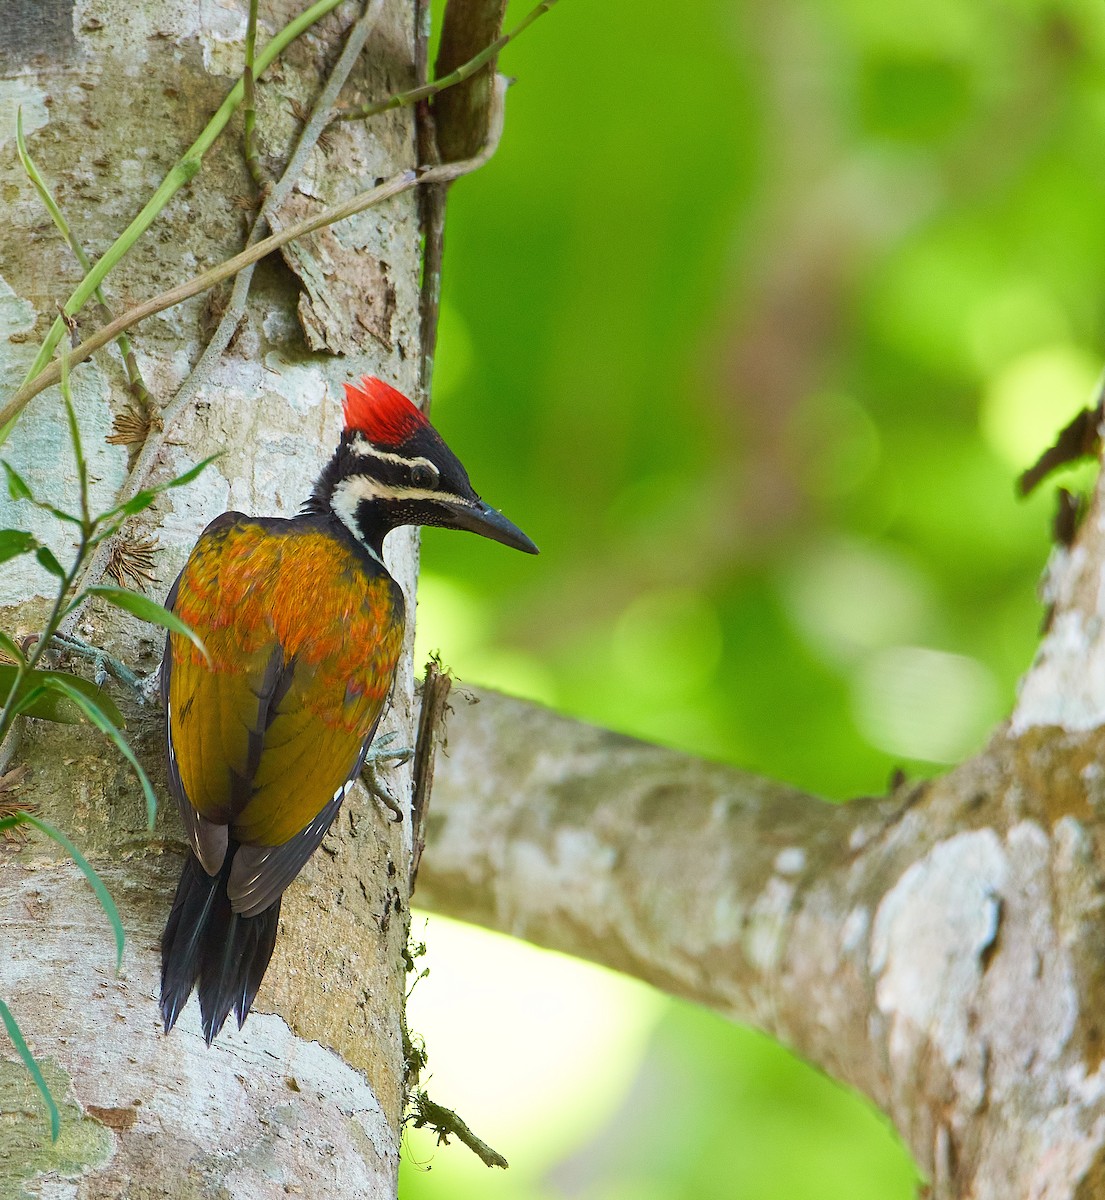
12 647
95 882
61 514
17 488
13 542
92 709
192 472
31 701
36 700
136 504
46 559
142 500
148 610
23 1050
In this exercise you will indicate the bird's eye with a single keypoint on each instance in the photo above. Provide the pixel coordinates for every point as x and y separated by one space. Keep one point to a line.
424 475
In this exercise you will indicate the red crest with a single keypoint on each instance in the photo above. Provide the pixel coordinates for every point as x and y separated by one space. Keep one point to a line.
385 416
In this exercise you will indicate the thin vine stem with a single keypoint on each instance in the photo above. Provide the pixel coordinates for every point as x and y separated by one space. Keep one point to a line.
465 71
185 170
134 377
253 161
395 186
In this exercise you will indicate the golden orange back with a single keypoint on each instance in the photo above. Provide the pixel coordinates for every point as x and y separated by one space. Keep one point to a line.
304 634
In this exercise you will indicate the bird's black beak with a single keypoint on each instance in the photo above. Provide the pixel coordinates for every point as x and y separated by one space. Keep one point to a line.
488 522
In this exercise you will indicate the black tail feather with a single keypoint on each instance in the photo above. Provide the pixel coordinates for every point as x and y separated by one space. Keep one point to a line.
209 947
183 939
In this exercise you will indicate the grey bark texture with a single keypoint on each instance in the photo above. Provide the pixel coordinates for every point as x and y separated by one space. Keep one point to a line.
940 948
308 1098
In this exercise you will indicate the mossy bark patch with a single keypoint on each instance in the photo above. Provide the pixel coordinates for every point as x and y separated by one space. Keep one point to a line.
26 1151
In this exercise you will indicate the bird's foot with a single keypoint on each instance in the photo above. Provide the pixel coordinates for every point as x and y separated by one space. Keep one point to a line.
382 752
105 665
376 788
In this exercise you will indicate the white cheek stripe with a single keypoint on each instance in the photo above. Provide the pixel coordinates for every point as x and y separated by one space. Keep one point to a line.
350 492
344 502
362 446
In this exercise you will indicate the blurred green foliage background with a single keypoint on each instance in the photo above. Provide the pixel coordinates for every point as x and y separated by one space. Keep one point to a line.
751 324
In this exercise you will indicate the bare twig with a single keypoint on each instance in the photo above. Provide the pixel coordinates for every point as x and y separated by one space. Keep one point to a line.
445 1123
451 127
1081 438
433 253
1068 515
468 27
9 745
249 102
431 211
423 27
431 734
429 304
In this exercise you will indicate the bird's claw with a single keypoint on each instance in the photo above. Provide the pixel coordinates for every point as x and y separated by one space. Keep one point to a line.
381 751
379 754
377 789
105 665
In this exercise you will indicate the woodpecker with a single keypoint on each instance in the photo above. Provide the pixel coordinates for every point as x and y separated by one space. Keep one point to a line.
302 628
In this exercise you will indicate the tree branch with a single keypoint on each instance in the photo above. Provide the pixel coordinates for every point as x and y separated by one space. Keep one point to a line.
1066 686
939 948
457 75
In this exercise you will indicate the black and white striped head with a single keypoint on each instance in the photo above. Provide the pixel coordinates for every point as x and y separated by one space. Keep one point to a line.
392 468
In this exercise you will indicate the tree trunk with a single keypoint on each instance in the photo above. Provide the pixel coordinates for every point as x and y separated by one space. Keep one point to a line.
308 1098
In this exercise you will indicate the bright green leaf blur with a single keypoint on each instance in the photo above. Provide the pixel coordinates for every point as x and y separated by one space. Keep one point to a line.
50 703
751 325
